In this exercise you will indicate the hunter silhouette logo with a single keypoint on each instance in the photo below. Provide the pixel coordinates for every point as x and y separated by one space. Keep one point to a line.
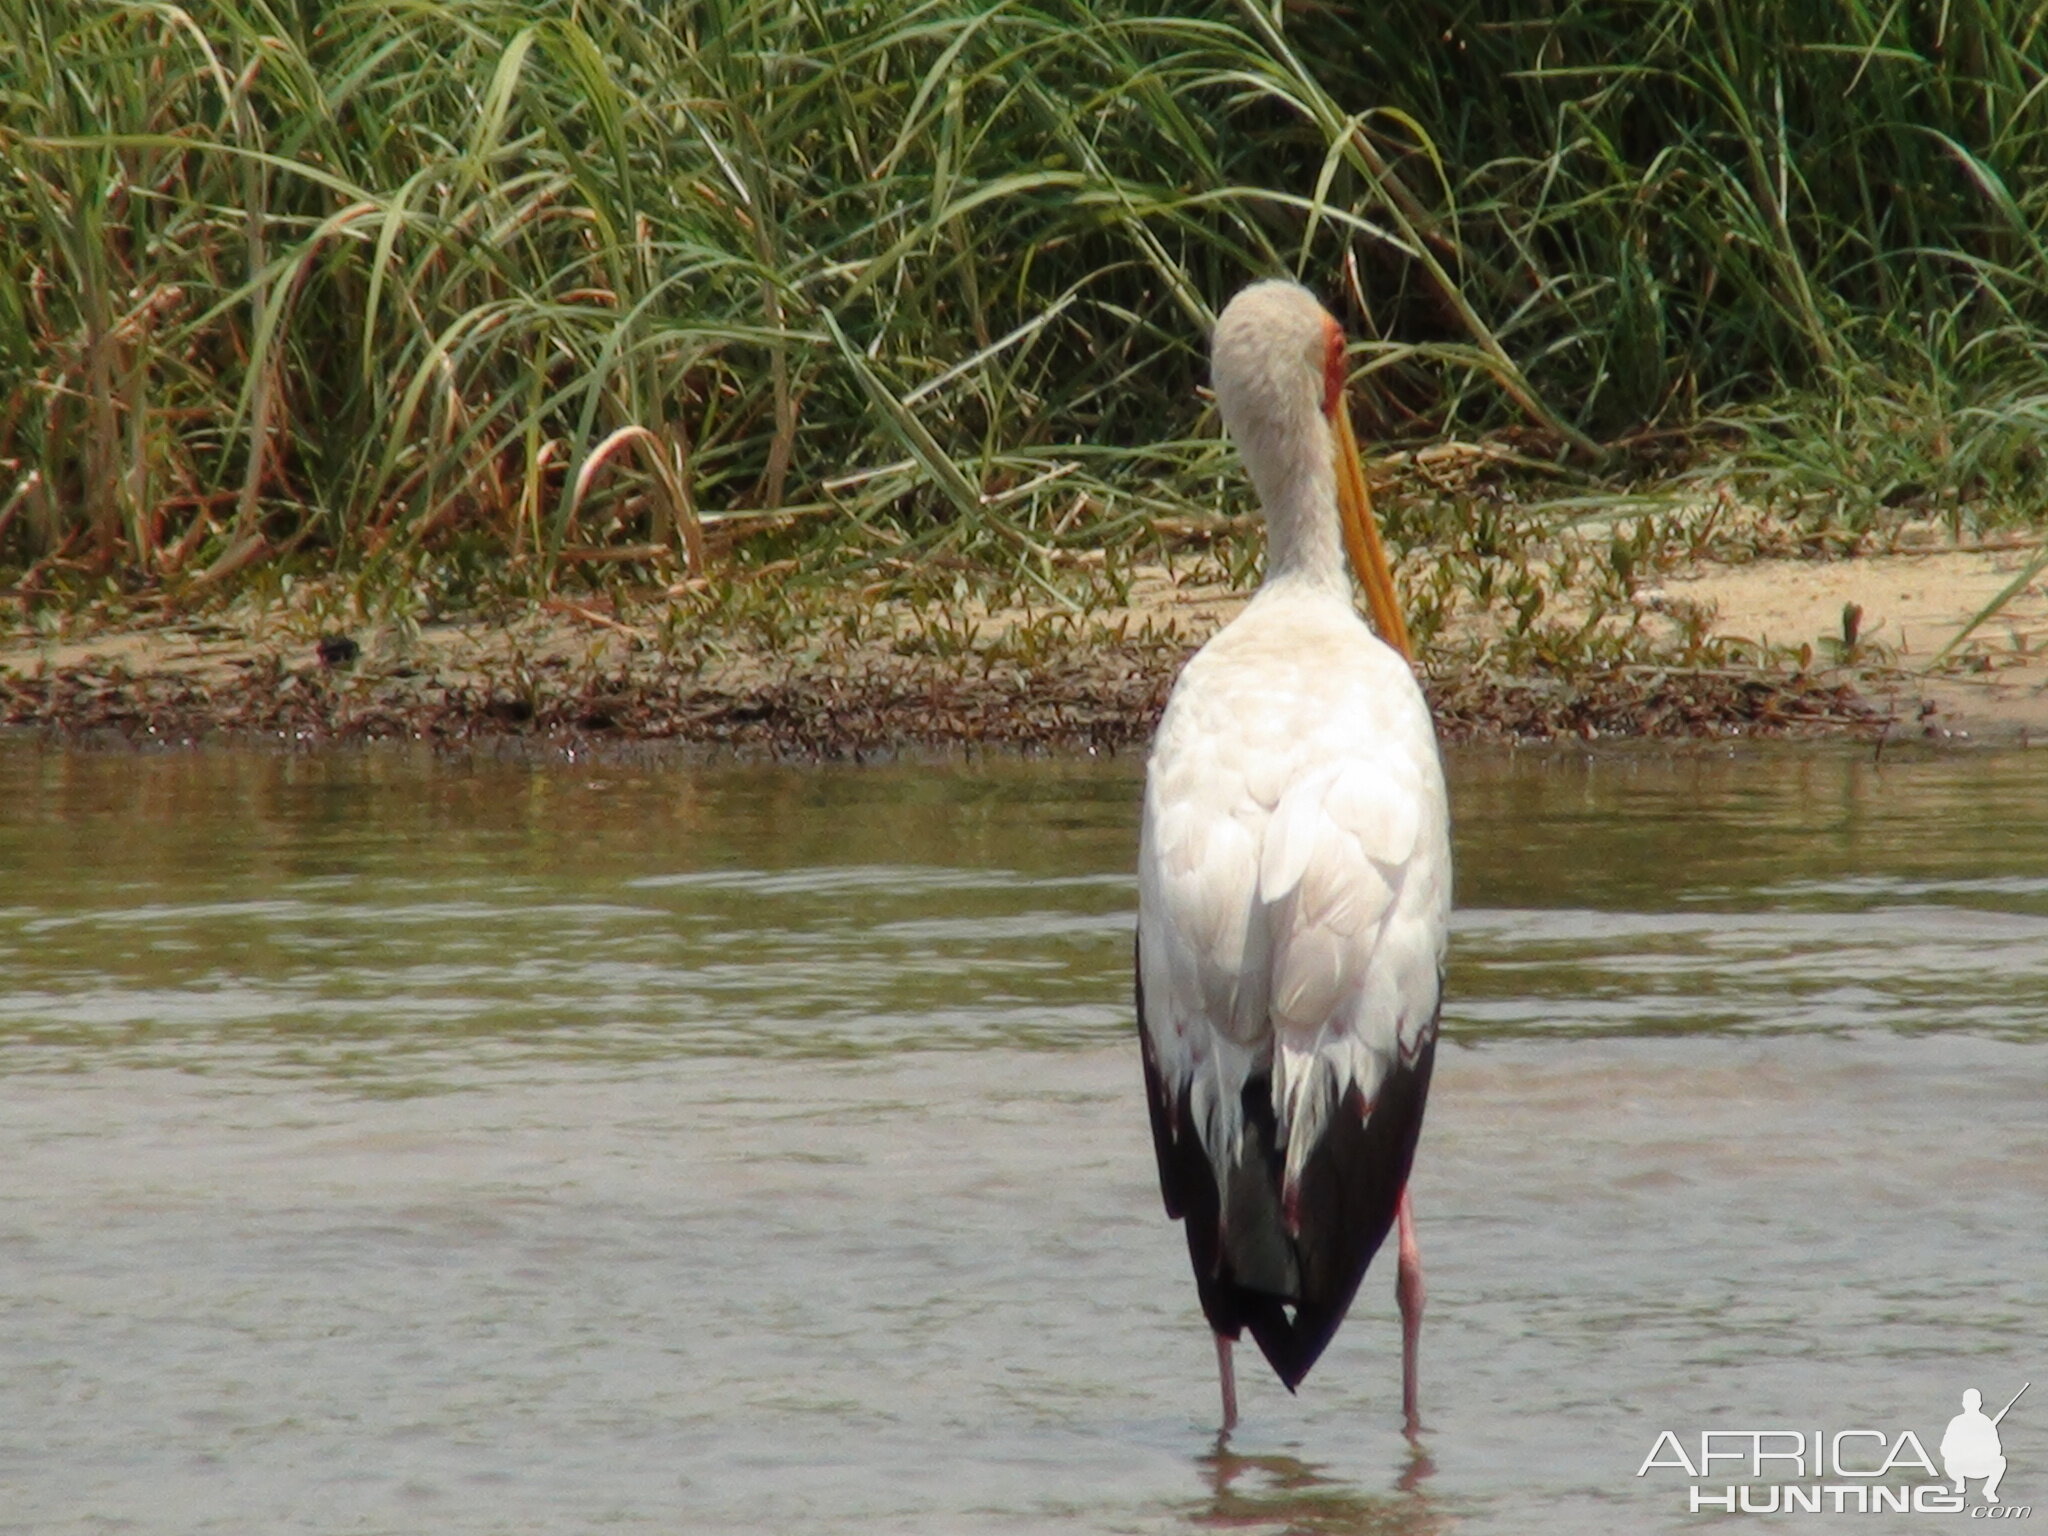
1744 1471
1971 1449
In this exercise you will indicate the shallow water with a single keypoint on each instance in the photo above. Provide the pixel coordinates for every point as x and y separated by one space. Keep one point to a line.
392 1145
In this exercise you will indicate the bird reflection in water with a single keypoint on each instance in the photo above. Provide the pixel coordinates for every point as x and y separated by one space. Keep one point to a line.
1292 1497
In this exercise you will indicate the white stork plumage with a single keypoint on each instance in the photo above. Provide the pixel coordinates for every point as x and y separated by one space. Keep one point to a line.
1294 887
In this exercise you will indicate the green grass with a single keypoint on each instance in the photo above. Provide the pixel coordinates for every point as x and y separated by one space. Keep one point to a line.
503 297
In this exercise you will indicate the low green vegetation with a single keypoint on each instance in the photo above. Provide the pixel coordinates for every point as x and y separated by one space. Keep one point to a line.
744 308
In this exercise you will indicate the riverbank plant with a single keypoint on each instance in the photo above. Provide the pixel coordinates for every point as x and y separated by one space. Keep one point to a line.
502 298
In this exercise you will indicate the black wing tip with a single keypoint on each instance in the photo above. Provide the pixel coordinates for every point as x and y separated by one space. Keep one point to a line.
1178 1174
1351 1189
1350 1194
1293 1345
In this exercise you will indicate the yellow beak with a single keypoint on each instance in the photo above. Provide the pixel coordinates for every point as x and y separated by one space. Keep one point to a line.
1362 536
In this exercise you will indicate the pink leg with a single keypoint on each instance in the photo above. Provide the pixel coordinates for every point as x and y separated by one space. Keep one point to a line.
1228 1377
1408 1290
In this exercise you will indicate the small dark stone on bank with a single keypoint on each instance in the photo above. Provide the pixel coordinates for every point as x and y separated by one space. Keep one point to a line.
512 711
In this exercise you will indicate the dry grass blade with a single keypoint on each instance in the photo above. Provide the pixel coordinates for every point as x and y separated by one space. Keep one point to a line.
667 474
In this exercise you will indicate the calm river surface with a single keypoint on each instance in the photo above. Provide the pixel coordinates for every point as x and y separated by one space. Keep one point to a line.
397 1145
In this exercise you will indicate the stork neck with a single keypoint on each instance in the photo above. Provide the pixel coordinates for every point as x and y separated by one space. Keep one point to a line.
1304 544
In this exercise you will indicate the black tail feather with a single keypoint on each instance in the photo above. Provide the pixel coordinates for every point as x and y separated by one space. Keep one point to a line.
1350 1191
1350 1194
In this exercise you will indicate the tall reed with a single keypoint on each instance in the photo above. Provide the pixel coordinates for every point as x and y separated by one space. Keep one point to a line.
516 285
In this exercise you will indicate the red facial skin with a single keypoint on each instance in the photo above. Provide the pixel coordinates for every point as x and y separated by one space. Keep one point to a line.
1333 368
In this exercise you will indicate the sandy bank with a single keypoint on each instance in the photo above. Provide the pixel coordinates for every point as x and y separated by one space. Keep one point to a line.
569 670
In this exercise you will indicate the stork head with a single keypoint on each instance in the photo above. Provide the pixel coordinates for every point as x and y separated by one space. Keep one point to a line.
1278 365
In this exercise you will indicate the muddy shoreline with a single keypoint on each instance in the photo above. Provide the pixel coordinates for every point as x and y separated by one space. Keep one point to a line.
1101 703
566 674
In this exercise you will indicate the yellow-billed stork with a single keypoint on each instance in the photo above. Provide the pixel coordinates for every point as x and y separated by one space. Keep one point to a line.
1294 886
